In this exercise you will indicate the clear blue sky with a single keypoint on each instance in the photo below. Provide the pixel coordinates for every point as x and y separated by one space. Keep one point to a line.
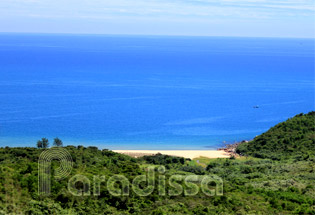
257 18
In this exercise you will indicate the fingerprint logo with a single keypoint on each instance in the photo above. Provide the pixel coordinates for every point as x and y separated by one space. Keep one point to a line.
44 168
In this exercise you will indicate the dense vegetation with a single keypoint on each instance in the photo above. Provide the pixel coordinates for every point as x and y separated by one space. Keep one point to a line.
165 160
293 138
252 185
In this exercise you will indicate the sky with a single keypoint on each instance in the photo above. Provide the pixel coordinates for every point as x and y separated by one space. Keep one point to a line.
244 18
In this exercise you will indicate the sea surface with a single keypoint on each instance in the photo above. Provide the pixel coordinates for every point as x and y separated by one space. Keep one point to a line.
150 92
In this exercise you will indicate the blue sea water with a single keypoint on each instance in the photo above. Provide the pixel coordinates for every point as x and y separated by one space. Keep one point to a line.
150 92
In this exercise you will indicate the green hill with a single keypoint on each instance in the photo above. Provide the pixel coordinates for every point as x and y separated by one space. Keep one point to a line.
250 185
292 138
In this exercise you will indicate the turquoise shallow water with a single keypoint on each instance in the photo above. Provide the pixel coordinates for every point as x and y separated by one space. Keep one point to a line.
145 92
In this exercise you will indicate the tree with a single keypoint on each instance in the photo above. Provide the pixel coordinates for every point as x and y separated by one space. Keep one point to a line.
43 143
39 144
58 142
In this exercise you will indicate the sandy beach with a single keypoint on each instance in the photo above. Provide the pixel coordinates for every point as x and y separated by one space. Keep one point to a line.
180 153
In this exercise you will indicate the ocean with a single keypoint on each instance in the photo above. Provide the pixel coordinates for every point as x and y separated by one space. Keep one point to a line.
150 92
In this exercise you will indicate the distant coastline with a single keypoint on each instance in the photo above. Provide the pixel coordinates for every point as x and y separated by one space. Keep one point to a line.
191 154
227 151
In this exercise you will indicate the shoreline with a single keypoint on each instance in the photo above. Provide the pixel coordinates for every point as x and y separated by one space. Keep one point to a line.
227 151
191 154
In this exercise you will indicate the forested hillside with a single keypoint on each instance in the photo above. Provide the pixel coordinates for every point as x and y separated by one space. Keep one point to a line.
294 137
260 183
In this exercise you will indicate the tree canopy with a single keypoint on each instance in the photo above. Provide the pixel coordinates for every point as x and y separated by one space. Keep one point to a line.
294 137
43 143
58 142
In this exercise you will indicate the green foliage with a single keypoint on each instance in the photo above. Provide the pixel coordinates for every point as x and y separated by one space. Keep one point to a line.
165 160
57 142
43 143
198 170
252 185
293 138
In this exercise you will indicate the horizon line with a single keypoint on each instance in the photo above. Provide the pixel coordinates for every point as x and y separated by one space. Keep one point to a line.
153 35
